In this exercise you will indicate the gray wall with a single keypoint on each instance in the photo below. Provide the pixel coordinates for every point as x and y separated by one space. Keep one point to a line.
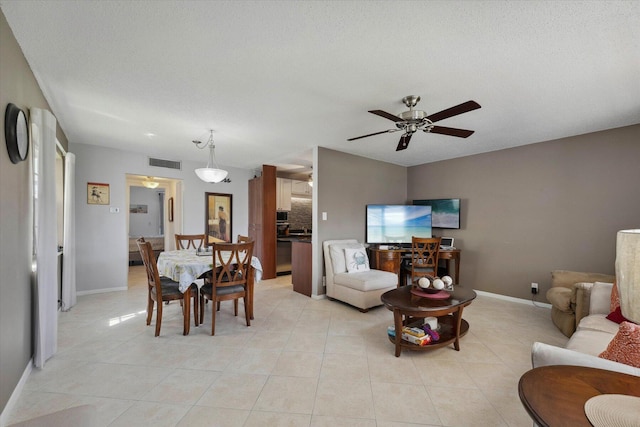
345 184
536 208
18 86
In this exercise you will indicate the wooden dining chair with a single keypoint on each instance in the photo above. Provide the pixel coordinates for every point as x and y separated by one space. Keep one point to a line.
230 279
190 241
162 288
244 239
424 259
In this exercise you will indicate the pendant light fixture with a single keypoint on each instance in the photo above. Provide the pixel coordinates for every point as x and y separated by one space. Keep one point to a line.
150 183
212 173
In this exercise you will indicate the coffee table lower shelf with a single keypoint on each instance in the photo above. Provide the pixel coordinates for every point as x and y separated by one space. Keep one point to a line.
446 330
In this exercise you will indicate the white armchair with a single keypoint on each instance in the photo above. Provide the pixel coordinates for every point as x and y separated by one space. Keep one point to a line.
361 289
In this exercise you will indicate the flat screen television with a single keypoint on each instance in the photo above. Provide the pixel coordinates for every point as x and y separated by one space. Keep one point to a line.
446 212
397 223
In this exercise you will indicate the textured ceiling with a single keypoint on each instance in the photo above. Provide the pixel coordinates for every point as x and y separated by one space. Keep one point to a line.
274 79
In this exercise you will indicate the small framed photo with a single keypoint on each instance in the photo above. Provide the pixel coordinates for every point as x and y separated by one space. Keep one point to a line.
170 209
97 193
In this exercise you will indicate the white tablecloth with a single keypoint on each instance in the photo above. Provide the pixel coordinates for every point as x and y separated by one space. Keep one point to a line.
184 266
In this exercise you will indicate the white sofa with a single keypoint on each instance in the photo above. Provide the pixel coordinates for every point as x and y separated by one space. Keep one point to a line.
593 334
360 289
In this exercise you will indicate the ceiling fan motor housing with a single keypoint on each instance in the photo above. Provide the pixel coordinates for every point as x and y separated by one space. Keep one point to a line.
413 115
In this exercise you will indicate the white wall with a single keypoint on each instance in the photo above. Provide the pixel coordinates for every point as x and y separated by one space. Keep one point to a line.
102 241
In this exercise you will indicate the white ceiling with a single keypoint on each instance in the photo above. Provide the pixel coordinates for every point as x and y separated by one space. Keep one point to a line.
274 79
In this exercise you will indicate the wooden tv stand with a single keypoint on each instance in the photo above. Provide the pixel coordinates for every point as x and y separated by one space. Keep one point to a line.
391 260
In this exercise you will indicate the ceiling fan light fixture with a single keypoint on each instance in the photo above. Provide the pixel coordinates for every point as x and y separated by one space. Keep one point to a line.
210 173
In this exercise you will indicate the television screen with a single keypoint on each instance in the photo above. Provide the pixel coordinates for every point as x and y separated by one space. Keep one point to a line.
397 223
446 212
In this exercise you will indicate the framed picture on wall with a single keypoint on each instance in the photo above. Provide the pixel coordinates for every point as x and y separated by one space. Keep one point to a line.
217 214
170 209
97 193
134 209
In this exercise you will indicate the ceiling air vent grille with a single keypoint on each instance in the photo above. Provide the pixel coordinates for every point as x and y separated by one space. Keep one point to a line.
170 164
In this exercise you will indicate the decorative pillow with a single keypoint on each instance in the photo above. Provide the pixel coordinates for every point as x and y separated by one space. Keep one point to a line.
356 260
616 316
625 346
615 298
336 252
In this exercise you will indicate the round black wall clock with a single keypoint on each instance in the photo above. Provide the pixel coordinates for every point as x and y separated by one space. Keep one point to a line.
16 133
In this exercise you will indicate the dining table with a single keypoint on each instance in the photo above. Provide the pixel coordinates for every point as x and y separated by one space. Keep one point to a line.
187 266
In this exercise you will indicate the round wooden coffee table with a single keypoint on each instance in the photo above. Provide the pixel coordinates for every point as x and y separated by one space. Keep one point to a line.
407 308
556 395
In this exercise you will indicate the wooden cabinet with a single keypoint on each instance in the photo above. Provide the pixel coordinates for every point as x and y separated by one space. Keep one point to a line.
301 267
386 260
255 215
283 194
300 189
391 260
262 219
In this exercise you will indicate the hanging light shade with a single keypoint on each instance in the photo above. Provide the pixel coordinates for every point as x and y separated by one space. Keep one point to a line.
212 173
150 183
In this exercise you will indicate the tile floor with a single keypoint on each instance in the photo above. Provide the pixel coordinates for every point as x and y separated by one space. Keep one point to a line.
303 362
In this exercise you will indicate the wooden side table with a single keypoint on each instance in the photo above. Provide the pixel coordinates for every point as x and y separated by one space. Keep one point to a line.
555 395
447 256
387 260
391 260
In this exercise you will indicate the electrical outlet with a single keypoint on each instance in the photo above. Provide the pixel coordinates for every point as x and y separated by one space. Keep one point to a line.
534 288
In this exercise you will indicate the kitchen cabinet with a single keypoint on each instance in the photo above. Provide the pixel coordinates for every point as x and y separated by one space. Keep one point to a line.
301 189
283 194
262 219
301 266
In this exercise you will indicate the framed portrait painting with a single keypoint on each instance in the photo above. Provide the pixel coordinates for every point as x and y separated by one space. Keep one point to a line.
218 218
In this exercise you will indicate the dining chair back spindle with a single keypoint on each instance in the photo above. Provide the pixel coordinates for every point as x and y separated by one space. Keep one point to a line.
190 241
162 288
230 279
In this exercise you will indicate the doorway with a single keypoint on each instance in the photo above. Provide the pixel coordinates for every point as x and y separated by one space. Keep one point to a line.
154 206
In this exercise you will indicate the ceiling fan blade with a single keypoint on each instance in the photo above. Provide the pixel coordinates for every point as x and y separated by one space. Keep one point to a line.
460 133
386 115
465 107
404 142
371 134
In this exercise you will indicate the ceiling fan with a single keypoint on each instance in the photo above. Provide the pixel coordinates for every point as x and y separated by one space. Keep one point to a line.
415 120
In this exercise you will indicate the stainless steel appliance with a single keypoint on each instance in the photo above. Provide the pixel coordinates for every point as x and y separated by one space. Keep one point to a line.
282 216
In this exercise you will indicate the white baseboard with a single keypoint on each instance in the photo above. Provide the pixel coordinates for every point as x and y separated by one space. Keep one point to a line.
513 299
17 391
318 297
100 291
